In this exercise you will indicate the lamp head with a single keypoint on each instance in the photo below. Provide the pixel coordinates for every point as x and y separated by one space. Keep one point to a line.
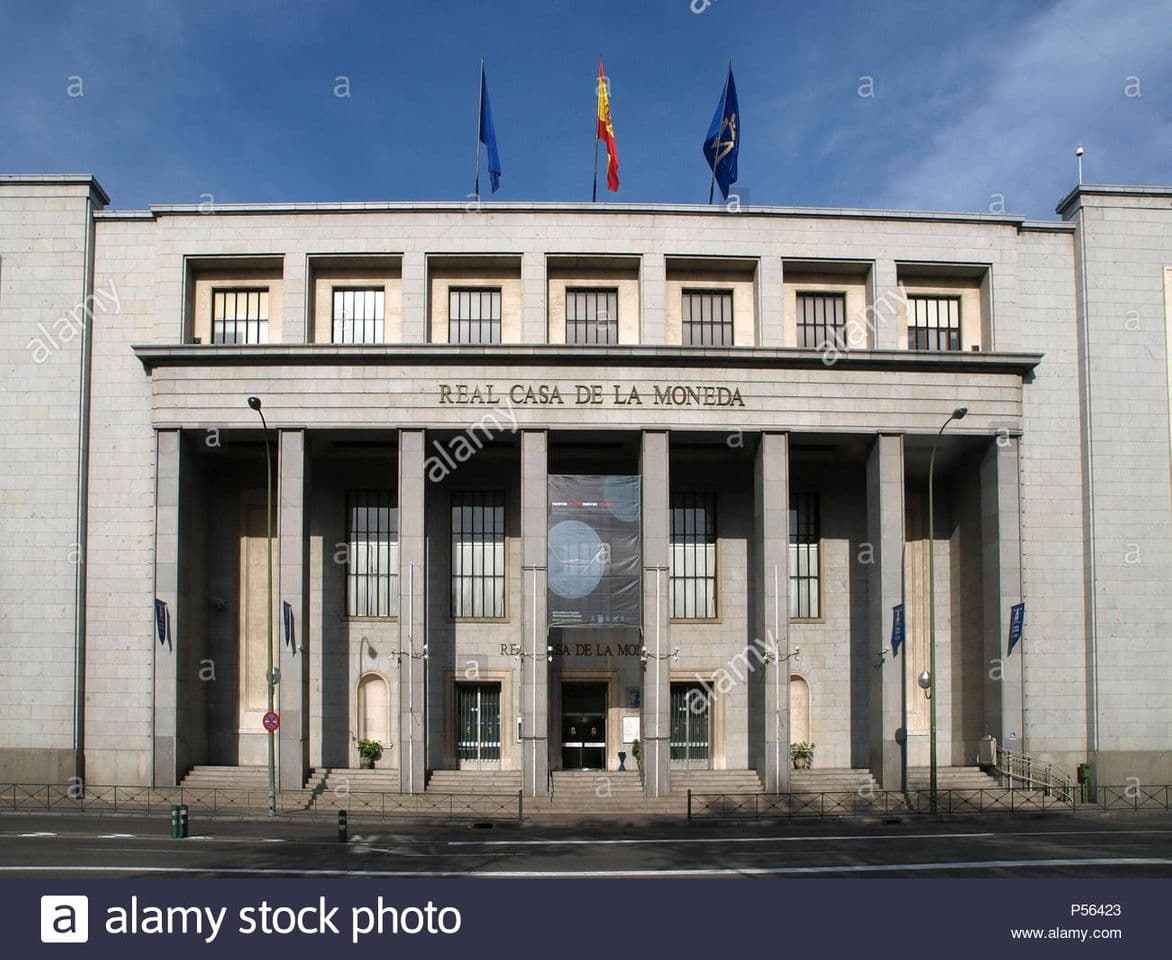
254 402
1079 150
925 680
960 413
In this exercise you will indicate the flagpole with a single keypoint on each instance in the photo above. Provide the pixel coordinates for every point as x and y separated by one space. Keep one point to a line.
597 103
719 130
479 116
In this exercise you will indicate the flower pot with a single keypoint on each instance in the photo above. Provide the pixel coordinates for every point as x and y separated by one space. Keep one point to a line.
801 763
366 763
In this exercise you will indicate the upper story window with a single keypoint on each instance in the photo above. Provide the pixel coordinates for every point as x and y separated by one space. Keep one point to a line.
804 546
478 555
708 318
358 315
693 555
933 323
474 315
240 315
372 555
822 320
592 316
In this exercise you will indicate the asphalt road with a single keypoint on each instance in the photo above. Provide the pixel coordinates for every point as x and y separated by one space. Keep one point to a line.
61 845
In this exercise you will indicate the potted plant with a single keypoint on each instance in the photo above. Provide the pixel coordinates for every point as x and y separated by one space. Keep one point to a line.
368 752
635 750
802 755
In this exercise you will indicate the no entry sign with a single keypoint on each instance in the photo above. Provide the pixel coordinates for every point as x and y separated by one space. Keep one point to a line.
271 721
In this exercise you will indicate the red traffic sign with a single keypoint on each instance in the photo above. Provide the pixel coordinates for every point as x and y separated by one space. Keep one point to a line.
271 721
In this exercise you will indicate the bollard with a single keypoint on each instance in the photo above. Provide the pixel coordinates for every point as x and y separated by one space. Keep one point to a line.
182 820
343 828
174 821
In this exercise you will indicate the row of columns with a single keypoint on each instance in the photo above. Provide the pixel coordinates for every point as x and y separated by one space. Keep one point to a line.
770 652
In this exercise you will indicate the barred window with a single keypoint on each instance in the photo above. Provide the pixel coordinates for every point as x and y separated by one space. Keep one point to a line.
240 316
708 318
478 554
474 315
933 323
804 546
358 314
372 558
592 316
693 555
822 320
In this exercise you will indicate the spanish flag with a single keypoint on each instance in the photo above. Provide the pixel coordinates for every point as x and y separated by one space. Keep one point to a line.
606 132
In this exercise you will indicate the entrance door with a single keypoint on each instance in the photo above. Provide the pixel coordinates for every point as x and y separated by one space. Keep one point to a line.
583 726
478 722
690 728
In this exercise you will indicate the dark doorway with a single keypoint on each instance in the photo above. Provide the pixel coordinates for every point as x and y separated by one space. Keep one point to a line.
691 705
583 726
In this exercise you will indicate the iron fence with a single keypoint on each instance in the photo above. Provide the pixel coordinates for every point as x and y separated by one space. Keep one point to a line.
219 801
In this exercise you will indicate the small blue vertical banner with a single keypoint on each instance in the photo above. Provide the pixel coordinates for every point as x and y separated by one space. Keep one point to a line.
287 617
1016 622
897 630
161 621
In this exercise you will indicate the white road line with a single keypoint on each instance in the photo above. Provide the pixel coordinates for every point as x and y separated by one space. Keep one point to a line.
625 874
116 836
27 836
674 840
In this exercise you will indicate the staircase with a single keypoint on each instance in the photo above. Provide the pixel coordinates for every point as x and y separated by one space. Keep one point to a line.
832 780
951 778
715 781
475 782
605 793
341 781
237 779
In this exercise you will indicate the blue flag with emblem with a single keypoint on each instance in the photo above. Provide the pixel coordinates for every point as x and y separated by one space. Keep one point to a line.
723 142
897 628
1016 625
487 135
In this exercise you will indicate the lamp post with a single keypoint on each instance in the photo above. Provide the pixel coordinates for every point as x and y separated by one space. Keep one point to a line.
254 403
930 690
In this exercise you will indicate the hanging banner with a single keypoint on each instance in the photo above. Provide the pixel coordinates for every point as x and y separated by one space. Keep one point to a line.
897 628
594 555
287 618
161 621
1016 623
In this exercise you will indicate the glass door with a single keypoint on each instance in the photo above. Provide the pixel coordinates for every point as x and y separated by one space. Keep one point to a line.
478 719
690 727
583 726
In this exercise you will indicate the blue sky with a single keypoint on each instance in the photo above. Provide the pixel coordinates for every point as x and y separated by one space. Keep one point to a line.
236 99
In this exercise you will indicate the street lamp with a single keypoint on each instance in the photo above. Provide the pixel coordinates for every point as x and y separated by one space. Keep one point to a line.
930 689
254 403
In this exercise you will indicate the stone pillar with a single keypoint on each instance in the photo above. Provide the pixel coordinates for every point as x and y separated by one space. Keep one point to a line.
1001 588
771 608
413 282
885 535
884 306
655 753
770 303
653 299
534 322
534 694
168 451
412 638
291 585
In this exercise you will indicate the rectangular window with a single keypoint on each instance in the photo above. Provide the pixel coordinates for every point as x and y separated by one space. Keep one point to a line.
358 315
478 555
478 720
708 318
822 320
372 559
240 316
474 315
592 316
933 323
693 556
804 537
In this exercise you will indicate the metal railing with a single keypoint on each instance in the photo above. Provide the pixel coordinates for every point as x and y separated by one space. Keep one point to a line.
1032 774
220 801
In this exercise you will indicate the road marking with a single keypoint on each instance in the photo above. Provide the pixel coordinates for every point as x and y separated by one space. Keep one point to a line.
625 874
116 836
28 836
672 840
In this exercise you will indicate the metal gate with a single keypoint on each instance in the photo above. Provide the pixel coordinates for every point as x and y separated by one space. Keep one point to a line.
690 727
478 718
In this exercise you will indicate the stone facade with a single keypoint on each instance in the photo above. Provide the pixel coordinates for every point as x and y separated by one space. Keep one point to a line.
135 470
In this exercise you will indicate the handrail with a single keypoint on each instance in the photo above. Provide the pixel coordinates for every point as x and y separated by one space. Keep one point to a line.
1031 772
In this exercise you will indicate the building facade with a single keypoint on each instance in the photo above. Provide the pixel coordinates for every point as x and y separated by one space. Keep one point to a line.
756 398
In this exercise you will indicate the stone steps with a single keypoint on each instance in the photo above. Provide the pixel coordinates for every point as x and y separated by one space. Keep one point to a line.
207 777
339 781
951 778
716 781
831 780
474 781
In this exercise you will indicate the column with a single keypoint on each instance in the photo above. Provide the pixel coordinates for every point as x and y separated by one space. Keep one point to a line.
534 694
168 450
1001 588
884 306
885 535
770 303
292 693
655 753
652 298
412 639
413 282
534 323
770 696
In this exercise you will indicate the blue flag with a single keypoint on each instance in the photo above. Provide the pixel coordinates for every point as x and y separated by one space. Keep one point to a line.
723 142
488 138
1016 625
897 628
